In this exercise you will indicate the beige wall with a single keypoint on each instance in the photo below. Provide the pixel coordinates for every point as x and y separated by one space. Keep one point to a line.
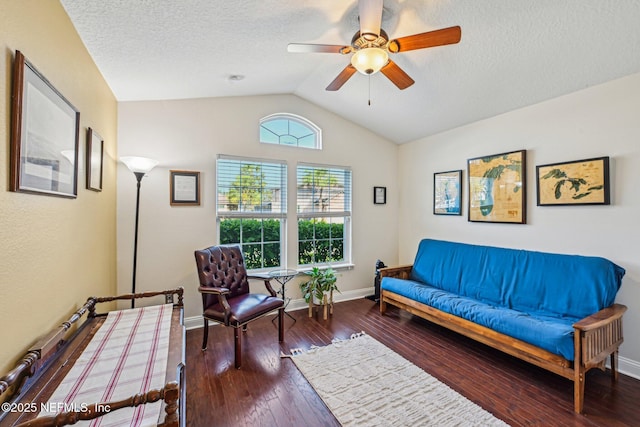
189 134
599 121
54 252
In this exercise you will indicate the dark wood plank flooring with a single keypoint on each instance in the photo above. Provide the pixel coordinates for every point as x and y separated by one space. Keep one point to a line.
270 391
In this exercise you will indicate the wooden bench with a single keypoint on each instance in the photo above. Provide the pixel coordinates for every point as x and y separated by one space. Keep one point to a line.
28 387
596 337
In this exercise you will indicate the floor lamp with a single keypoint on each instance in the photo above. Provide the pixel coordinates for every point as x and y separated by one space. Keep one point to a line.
140 166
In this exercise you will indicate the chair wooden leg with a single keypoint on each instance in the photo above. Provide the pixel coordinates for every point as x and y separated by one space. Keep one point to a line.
238 347
614 365
205 338
281 324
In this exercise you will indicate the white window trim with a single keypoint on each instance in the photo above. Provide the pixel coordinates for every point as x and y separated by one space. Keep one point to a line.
347 263
278 215
294 117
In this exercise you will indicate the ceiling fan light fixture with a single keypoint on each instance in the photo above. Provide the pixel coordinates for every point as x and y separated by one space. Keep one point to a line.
369 60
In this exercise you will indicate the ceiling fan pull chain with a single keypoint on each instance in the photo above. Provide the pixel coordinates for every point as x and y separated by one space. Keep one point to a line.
369 89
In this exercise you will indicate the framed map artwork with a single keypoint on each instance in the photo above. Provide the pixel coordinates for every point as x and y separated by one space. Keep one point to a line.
497 188
447 192
581 182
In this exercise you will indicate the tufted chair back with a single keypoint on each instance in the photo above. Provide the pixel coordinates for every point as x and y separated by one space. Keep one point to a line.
222 267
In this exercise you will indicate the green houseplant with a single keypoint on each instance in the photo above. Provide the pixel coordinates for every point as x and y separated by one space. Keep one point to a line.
319 288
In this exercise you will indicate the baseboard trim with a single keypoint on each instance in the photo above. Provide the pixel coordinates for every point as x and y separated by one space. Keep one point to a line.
629 367
196 322
626 366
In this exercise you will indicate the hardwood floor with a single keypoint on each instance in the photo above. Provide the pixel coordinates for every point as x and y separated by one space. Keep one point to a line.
270 391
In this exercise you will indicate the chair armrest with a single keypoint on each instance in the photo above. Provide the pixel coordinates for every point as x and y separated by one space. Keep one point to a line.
213 290
267 282
601 318
399 272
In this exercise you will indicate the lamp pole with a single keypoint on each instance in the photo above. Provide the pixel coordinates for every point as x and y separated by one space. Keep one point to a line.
140 166
139 176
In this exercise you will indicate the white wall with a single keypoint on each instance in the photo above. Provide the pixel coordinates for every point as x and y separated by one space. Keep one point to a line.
598 121
188 135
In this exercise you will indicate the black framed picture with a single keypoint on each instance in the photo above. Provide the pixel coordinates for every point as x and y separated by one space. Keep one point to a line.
379 195
579 182
95 149
497 188
447 193
185 188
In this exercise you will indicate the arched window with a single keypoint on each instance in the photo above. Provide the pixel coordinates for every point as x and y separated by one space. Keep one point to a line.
289 129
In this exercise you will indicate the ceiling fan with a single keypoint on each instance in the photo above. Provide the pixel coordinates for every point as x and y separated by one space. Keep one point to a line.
371 47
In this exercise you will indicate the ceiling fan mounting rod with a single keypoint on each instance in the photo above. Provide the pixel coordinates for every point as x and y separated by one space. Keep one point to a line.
361 41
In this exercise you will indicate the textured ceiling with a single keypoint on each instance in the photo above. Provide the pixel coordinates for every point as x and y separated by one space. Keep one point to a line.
513 53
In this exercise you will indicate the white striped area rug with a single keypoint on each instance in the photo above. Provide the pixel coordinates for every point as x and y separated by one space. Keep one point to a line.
365 383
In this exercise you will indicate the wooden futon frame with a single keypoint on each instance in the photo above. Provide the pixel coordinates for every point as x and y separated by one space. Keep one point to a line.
39 372
595 337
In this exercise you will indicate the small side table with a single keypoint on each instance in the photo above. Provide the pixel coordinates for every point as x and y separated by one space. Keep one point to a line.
282 277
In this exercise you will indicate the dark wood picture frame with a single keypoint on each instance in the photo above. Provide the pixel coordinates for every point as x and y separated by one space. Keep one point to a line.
447 193
579 182
379 195
45 129
95 152
497 188
184 188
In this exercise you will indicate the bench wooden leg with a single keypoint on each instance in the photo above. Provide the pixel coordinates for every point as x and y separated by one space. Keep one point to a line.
383 306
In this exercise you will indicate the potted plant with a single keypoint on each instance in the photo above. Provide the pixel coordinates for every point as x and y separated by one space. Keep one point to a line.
319 289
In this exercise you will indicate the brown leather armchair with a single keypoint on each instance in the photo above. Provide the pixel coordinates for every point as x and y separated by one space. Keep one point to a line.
226 299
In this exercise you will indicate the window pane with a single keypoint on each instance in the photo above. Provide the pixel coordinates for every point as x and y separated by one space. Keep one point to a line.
271 254
323 189
306 252
252 256
229 231
320 240
245 186
251 230
291 130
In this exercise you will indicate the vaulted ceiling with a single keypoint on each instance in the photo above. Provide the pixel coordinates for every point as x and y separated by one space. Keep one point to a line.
513 53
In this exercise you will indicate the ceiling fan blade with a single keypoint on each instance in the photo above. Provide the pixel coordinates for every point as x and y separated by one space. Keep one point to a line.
441 37
370 12
397 75
342 78
318 48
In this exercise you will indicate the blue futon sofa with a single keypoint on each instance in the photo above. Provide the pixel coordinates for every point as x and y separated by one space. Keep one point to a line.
556 311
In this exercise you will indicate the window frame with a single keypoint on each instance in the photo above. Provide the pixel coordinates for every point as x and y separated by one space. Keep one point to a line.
294 118
347 214
260 215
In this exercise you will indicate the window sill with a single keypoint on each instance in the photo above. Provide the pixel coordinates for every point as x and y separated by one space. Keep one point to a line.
304 269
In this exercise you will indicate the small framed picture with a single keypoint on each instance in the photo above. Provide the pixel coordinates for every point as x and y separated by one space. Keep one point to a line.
185 188
95 148
447 193
580 182
379 195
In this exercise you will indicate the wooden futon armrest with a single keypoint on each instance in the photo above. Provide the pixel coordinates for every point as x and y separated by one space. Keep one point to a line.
399 272
601 318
